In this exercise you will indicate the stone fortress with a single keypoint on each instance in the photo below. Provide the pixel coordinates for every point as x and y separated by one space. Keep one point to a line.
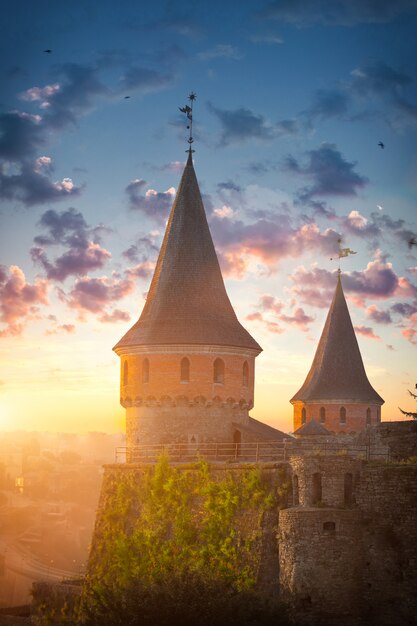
346 543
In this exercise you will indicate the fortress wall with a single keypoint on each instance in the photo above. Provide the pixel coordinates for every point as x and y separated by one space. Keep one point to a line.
205 421
387 496
320 561
332 470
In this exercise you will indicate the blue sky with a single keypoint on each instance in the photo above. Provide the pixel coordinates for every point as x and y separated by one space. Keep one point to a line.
293 98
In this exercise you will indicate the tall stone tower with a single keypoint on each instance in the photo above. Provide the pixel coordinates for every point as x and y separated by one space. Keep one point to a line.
187 365
337 392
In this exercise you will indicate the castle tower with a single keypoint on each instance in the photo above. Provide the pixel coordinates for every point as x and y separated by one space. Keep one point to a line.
187 364
337 392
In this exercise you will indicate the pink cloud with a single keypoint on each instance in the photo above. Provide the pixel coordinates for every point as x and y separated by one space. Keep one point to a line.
366 331
19 300
270 306
94 294
115 316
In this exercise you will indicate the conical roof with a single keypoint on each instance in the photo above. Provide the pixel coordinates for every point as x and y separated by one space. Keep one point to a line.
187 301
337 372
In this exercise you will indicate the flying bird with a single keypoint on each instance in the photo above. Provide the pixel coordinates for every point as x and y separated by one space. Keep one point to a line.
127 97
381 208
48 51
412 242
381 145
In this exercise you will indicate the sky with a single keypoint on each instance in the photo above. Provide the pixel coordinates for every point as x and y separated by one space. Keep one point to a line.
293 99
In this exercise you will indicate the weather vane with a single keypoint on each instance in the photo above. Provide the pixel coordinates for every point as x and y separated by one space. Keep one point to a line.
188 110
343 252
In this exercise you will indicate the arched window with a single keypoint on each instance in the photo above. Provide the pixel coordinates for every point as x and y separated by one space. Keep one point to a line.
218 371
368 416
316 491
125 373
348 490
245 374
185 370
303 416
295 493
322 414
342 414
145 371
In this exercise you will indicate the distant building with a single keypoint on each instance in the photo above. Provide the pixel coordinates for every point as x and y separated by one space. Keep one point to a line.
337 392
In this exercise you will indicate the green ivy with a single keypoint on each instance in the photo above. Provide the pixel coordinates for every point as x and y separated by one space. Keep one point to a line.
165 522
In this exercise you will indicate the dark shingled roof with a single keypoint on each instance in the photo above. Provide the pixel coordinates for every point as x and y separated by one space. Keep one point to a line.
187 301
263 431
312 428
337 372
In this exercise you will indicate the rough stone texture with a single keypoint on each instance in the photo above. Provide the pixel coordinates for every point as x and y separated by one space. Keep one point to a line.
399 438
332 470
362 570
320 569
387 497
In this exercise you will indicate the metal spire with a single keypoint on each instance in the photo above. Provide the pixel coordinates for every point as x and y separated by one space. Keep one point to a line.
188 110
343 252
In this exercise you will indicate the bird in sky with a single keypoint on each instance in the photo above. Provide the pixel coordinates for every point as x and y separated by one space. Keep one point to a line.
412 242
48 51
127 97
381 145
381 208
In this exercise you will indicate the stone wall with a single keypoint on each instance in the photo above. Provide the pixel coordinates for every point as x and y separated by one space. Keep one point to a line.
387 497
357 564
399 438
332 471
320 563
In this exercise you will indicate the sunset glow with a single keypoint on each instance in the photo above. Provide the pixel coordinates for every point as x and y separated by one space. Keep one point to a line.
291 109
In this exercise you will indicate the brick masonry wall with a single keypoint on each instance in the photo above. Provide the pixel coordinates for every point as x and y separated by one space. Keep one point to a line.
355 415
164 377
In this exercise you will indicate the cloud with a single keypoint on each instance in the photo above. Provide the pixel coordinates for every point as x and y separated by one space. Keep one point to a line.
68 228
143 270
145 80
316 287
19 300
141 250
366 331
270 240
71 96
242 124
21 135
328 103
61 328
271 307
379 316
94 294
331 174
221 51
303 13
115 316
268 39
154 204
33 185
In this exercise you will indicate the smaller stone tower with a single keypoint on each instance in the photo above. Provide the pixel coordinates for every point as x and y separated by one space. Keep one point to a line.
337 392
187 364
